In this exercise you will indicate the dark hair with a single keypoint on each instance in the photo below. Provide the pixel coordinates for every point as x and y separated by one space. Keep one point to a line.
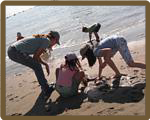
73 64
90 57
84 29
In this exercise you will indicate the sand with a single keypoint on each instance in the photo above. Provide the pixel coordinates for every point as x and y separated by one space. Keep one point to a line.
24 97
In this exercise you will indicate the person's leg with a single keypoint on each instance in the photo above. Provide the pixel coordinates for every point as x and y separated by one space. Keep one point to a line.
57 73
97 36
136 64
112 65
64 91
29 62
125 53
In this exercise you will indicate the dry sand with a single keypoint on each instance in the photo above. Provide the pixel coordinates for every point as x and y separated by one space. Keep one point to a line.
24 97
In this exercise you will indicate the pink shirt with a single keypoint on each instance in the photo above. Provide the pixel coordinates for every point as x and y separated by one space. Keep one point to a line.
65 77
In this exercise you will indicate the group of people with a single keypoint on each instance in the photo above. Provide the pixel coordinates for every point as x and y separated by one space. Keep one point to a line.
70 74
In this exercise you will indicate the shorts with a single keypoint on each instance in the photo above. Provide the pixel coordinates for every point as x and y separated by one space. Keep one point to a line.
124 50
65 91
97 27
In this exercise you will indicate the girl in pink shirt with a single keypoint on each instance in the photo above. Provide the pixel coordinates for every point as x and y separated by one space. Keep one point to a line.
69 76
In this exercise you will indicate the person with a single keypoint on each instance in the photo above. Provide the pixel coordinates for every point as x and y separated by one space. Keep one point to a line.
49 35
20 52
106 49
19 36
69 76
92 29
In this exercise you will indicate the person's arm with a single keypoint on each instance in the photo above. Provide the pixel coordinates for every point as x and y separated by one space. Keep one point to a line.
97 36
90 37
91 30
37 57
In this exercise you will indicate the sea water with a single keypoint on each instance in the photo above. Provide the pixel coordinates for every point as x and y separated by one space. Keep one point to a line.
68 21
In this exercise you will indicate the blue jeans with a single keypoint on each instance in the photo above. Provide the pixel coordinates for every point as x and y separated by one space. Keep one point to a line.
28 61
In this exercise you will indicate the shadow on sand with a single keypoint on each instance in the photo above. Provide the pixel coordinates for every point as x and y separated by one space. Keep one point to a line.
125 94
131 94
120 95
57 107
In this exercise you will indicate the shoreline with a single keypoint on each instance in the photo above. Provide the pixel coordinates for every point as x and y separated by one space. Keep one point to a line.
23 90
55 60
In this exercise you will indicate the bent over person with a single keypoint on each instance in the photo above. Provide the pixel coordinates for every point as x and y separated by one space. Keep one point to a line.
106 49
20 52
92 29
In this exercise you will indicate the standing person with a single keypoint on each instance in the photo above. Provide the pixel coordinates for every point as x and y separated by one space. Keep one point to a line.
69 76
106 49
92 29
19 36
20 52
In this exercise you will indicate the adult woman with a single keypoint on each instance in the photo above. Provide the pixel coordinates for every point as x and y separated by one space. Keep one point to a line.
107 48
69 76
20 52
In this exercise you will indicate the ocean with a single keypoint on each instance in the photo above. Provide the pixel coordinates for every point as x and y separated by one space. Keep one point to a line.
68 21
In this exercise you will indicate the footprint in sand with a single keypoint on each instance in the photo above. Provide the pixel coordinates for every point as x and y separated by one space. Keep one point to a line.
20 84
135 71
16 97
34 82
16 114
111 108
18 74
24 81
136 113
110 111
122 67
26 95
9 95
89 106
36 87
143 75
11 99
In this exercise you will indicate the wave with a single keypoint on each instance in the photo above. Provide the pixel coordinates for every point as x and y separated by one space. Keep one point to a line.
14 10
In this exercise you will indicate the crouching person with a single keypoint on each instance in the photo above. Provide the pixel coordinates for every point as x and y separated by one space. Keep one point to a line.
69 76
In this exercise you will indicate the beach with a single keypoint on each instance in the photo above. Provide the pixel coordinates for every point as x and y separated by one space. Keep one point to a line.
23 94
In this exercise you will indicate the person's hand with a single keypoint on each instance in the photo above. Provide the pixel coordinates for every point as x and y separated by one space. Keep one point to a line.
47 69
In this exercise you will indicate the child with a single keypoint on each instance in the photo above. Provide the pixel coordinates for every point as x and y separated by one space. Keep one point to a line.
93 29
69 76
19 36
